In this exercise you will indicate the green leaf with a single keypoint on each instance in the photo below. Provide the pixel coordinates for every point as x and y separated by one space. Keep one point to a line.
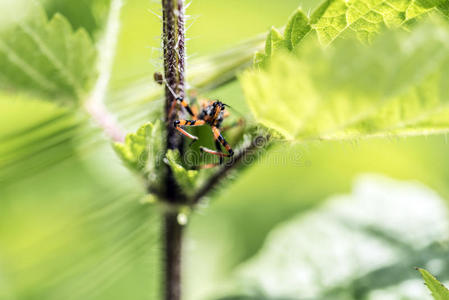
189 180
142 151
275 41
297 27
34 134
364 18
87 14
343 250
439 291
185 178
89 243
46 57
397 86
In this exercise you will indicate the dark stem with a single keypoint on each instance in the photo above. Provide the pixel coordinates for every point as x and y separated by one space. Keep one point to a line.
174 75
174 68
173 247
174 65
181 49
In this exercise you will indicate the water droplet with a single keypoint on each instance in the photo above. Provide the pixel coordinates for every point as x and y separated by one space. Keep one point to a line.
182 219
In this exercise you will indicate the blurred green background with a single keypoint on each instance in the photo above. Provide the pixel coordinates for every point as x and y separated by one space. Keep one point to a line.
71 218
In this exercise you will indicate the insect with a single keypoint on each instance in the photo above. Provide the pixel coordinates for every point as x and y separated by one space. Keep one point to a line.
212 114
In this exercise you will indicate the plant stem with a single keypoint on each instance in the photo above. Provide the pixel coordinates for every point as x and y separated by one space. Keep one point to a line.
94 105
174 64
173 247
174 70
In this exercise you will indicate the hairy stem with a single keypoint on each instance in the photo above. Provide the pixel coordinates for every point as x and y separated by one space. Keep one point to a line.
174 69
174 64
173 246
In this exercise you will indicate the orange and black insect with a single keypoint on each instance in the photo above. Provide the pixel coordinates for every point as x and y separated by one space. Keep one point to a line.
212 114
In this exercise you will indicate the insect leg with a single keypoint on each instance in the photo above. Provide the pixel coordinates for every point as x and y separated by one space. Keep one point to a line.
180 123
218 137
207 150
218 147
218 152
184 104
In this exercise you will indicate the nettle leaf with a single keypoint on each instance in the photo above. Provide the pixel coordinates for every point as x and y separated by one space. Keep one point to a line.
47 57
439 291
397 86
189 180
185 178
343 251
142 151
87 14
333 18
297 27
